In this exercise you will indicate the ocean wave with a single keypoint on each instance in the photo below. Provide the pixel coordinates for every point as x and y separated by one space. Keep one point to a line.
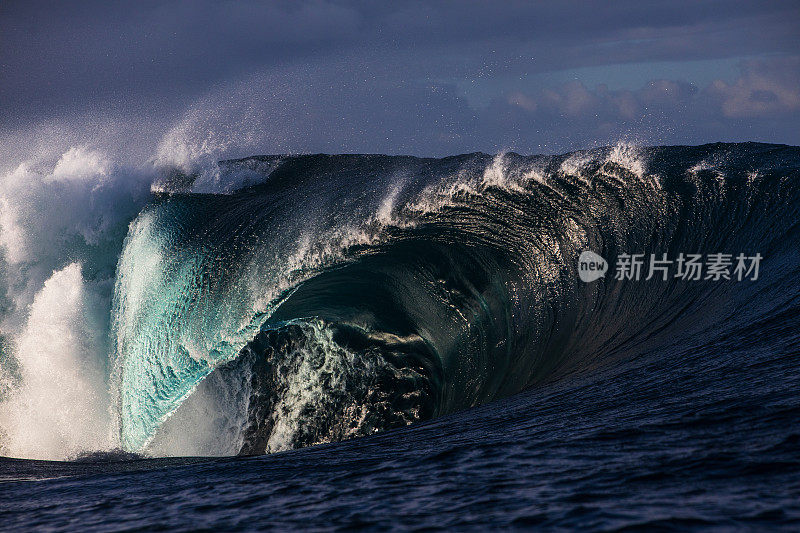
473 258
268 303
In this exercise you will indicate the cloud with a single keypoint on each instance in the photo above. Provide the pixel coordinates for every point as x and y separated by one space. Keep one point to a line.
762 103
767 88
574 100
233 78
59 56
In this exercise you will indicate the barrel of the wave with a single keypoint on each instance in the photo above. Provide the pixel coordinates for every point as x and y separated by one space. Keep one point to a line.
345 298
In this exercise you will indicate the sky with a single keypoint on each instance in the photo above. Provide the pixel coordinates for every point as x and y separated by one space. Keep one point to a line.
227 79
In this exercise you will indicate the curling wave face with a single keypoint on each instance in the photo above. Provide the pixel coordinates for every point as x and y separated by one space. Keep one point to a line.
289 301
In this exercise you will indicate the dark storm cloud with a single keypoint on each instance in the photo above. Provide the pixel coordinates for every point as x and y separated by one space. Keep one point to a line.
364 76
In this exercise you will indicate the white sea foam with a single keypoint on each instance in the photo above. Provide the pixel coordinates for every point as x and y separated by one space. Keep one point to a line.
56 402
321 377
629 157
62 405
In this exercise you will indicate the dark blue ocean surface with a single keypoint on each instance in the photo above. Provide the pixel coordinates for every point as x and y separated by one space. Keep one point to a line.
410 343
686 438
